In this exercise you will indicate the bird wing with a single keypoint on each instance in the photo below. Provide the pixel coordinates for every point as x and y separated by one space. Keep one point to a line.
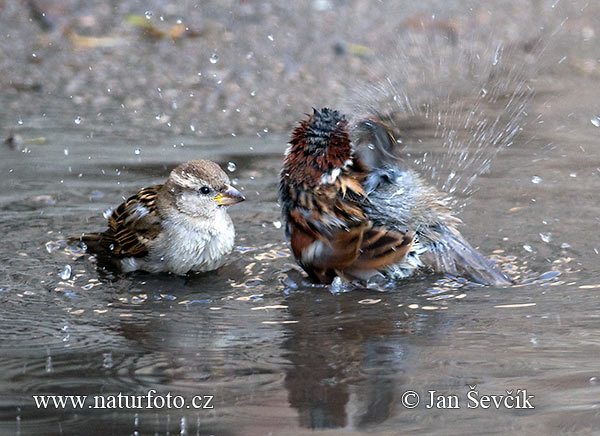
331 234
135 223
380 144
448 251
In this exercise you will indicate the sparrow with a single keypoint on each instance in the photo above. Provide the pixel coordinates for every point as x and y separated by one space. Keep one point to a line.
353 209
178 227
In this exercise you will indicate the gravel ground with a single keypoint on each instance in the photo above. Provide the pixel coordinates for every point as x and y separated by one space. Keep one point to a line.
222 67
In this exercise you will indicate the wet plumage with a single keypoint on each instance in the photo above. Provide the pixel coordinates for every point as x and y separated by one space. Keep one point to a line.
177 227
346 218
324 205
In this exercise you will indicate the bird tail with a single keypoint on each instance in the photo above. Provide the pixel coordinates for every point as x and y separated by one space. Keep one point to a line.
452 254
101 245
98 243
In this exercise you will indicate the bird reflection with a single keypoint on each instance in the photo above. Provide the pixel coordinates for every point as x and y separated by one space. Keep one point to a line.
347 358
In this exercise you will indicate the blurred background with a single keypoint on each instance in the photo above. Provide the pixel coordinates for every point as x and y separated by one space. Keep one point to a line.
243 66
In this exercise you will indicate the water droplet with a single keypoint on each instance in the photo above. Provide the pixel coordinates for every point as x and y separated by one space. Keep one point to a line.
573 175
214 58
192 128
231 167
157 117
148 14
65 274
66 151
20 122
565 245
593 380
235 181
528 248
266 130
497 55
78 120
546 237
137 151
49 364
595 121
52 246
270 37
536 179
253 93
277 224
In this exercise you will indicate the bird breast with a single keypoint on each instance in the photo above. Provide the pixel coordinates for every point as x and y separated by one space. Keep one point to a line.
193 244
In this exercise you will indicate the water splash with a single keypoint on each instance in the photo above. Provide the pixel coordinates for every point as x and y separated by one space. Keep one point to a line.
473 96
65 274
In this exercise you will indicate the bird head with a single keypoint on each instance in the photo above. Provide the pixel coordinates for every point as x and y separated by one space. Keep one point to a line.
320 146
200 187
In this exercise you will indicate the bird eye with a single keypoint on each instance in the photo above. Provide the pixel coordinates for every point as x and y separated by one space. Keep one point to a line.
205 190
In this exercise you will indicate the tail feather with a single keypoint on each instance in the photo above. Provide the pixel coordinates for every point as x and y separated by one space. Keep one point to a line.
452 254
100 244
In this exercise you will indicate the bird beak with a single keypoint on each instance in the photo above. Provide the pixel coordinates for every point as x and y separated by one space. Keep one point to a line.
229 196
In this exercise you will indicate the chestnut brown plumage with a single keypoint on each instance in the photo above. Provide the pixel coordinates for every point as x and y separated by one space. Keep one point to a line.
349 219
323 204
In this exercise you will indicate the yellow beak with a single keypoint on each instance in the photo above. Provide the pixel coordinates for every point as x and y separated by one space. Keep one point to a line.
229 196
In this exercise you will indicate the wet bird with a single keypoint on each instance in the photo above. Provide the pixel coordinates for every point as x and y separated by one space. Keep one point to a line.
177 227
353 209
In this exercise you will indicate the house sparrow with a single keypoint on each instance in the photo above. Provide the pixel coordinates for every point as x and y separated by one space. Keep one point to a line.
177 227
358 212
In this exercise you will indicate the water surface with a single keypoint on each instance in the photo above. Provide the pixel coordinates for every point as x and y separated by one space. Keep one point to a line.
280 356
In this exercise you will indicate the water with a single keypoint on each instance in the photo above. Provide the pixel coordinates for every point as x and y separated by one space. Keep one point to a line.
276 354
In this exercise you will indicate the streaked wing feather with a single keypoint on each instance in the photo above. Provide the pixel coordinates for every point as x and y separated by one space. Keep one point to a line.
381 248
135 223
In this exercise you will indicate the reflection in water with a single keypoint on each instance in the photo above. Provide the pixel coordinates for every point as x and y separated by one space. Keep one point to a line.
346 357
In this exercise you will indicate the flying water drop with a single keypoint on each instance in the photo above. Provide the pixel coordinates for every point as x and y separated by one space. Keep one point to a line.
214 58
231 167
536 180
546 237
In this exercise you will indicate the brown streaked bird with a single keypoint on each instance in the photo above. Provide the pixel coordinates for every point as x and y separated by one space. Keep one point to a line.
176 227
324 205
359 213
